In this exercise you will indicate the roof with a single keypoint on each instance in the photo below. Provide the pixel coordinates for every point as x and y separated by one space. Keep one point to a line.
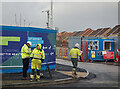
103 32
70 35
78 33
87 32
114 31
95 32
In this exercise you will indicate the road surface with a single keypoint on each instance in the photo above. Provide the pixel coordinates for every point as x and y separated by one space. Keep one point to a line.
106 75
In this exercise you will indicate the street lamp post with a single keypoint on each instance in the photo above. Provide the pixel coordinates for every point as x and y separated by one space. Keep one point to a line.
48 14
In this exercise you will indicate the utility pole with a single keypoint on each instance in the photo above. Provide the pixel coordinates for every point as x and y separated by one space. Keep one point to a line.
29 24
48 14
20 19
51 19
24 22
15 19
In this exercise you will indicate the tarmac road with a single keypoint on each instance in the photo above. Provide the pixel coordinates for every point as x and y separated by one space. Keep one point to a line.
106 75
101 76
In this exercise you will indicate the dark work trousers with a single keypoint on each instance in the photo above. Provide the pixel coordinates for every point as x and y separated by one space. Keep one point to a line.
25 66
74 62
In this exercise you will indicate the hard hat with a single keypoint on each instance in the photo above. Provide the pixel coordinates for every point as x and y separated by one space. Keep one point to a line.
77 45
29 42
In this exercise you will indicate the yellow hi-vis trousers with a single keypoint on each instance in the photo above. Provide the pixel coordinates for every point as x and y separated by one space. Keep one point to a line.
36 63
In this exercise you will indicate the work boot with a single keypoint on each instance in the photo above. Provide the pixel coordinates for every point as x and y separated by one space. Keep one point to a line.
41 74
38 78
31 78
74 74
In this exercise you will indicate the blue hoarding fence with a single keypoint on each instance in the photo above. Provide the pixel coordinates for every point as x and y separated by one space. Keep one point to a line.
13 38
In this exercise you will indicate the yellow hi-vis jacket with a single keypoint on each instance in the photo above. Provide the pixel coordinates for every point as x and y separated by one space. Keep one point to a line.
74 53
25 52
37 54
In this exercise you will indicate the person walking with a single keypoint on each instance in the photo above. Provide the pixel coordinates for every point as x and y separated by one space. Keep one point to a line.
75 53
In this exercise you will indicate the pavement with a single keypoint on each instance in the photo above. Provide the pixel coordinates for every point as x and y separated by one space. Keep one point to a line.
61 75
106 75
98 75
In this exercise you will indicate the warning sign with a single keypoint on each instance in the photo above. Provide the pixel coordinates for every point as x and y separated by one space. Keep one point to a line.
109 55
93 54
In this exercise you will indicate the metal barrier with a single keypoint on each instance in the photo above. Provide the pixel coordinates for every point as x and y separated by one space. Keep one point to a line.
117 59
62 52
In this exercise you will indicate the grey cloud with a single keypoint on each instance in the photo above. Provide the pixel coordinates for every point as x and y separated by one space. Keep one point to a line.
69 16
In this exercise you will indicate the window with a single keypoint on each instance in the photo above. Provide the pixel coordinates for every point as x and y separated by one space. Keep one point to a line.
99 53
107 45
96 42
91 48
91 42
96 45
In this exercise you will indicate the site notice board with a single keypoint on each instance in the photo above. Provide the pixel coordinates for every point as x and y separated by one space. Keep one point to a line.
12 39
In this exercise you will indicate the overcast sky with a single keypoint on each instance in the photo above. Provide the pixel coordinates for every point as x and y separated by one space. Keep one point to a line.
67 16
